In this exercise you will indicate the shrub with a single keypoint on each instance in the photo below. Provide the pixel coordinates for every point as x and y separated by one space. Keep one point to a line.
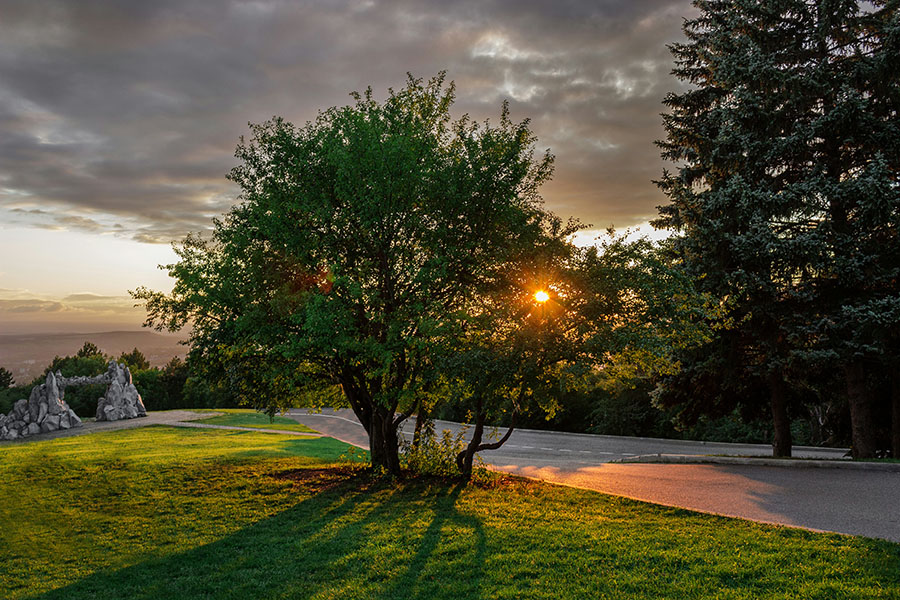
432 454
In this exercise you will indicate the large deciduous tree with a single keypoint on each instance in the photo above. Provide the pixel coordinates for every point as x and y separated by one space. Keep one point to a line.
786 196
360 240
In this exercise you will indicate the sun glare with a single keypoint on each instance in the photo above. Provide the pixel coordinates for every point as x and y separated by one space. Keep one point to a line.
541 296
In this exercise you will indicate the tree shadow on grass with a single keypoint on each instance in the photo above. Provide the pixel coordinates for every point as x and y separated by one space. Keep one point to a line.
464 557
345 542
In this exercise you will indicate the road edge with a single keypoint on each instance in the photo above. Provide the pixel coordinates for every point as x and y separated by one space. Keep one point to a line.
802 463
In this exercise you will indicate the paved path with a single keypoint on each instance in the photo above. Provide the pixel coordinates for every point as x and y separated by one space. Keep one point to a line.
846 500
165 417
237 428
174 418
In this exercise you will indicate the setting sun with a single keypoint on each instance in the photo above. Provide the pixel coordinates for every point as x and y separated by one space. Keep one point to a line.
541 296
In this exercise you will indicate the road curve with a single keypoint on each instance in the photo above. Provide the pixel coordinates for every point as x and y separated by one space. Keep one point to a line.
845 501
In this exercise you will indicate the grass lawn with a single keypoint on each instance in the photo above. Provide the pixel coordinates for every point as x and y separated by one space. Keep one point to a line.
162 512
244 417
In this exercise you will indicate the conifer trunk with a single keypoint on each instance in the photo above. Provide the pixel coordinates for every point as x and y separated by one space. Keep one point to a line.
862 424
895 414
781 423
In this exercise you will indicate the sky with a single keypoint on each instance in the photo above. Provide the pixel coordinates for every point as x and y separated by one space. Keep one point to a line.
119 120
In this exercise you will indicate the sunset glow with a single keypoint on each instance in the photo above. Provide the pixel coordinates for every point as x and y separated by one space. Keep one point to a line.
541 296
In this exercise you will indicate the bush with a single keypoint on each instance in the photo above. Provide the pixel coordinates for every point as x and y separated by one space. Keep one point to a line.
150 385
730 428
433 455
626 408
10 396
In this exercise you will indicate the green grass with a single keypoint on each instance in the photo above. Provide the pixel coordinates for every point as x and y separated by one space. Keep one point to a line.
176 513
241 417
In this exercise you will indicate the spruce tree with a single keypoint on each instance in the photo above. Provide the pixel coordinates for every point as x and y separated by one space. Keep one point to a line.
785 195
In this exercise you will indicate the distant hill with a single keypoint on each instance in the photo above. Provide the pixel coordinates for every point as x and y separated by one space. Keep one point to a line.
26 356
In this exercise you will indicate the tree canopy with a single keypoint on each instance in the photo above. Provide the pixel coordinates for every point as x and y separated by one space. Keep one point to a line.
361 240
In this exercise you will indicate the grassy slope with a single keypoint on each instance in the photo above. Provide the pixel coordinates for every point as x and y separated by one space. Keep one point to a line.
241 417
163 512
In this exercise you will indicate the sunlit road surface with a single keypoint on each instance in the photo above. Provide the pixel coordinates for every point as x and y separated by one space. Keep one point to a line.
838 500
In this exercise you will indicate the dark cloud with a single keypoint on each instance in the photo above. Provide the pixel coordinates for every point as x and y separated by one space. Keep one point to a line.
123 117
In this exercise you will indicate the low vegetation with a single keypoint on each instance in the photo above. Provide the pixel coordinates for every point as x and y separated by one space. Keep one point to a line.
172 513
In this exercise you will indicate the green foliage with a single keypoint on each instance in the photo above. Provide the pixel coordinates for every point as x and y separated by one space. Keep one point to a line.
175 375
6 379
71 366
730 428
625 407
433 454
354 456
199 392
134 360
88 350
82 400
174 386
152 389
11 395
644 310
360 240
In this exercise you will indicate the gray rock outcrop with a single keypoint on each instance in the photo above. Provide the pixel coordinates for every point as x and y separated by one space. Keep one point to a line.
122 400
45 410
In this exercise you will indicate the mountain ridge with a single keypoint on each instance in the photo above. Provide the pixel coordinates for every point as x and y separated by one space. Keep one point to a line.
26 355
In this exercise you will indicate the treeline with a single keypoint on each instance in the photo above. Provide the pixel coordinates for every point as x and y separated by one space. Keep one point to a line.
628 407
172 386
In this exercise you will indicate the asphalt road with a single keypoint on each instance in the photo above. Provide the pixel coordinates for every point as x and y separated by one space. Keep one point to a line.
839 500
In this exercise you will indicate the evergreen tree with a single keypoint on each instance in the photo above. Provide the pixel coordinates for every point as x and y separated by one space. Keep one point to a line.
785 198
6 379
134 360
88 350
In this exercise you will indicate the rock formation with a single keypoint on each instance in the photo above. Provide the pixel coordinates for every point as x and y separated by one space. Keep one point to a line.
45 410
122 400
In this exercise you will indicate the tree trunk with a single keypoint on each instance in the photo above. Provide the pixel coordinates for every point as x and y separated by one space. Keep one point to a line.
466 459
383 442
895 414
424 425
384 448
781 442
861 422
